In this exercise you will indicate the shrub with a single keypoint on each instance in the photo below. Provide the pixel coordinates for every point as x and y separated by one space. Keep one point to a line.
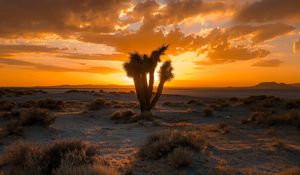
180 157
50 104
34 116
23 158
293 104
172 104
208 111
14 128
97 104
80 153
6 105
290 171
85 170
125 115
28 104
158 146
194 102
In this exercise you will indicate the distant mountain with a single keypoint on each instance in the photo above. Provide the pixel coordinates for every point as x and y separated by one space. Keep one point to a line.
86 86
275 85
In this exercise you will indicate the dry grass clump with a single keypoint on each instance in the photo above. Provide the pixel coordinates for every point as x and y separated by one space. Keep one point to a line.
97 104
262 102
50 103
293 104
23 158
125 115
208 111
19 91
7 105
34 116
86 170
161 145
173 104
194 102
180 157
292 117
13 127
290 171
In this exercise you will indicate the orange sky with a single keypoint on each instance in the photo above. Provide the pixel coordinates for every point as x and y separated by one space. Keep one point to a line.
213 43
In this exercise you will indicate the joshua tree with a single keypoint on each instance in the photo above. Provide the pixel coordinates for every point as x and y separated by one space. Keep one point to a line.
141 68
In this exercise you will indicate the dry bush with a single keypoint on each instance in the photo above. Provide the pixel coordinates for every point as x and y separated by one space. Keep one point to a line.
7 105
208 111
85 170
173 104
290 171
13 128
74 152
34 116
292 117
51 104
158 146
125 115
180 157
19 91
293 104
194 102
27 104
97 104
23 158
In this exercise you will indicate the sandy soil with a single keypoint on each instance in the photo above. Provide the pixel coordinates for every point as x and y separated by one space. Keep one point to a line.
240 149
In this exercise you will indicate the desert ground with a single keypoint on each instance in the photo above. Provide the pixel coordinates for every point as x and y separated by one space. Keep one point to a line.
256 135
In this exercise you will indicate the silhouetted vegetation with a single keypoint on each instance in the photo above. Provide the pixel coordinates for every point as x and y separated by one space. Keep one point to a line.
139 68
20 91
39 116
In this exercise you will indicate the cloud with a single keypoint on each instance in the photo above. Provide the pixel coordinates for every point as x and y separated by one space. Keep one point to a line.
226 53
269 10
30 65
268 63
63 17
154 14
11 49
296 46
108 57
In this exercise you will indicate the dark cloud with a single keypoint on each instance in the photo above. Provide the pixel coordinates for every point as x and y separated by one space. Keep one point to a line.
268 63
172 12
38 66
296 46
64 17
270 10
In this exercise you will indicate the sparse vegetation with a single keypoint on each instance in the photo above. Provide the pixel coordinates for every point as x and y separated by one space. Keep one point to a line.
290 171
125 115
180 157
292 117
23 158
34 116
7 105
50 103
161 145
208 111
97 104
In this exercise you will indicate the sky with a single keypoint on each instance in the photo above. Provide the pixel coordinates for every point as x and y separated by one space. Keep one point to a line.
212 43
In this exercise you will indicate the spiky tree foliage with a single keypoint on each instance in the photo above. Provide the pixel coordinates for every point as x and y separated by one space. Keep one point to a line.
142 68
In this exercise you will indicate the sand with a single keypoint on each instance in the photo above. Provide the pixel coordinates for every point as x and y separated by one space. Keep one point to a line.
243 149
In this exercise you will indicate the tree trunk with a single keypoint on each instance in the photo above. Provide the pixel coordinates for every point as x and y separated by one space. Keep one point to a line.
145 91
151 83
158 94
138 92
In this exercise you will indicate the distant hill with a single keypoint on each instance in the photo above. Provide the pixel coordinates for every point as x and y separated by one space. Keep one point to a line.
275 85
87 86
